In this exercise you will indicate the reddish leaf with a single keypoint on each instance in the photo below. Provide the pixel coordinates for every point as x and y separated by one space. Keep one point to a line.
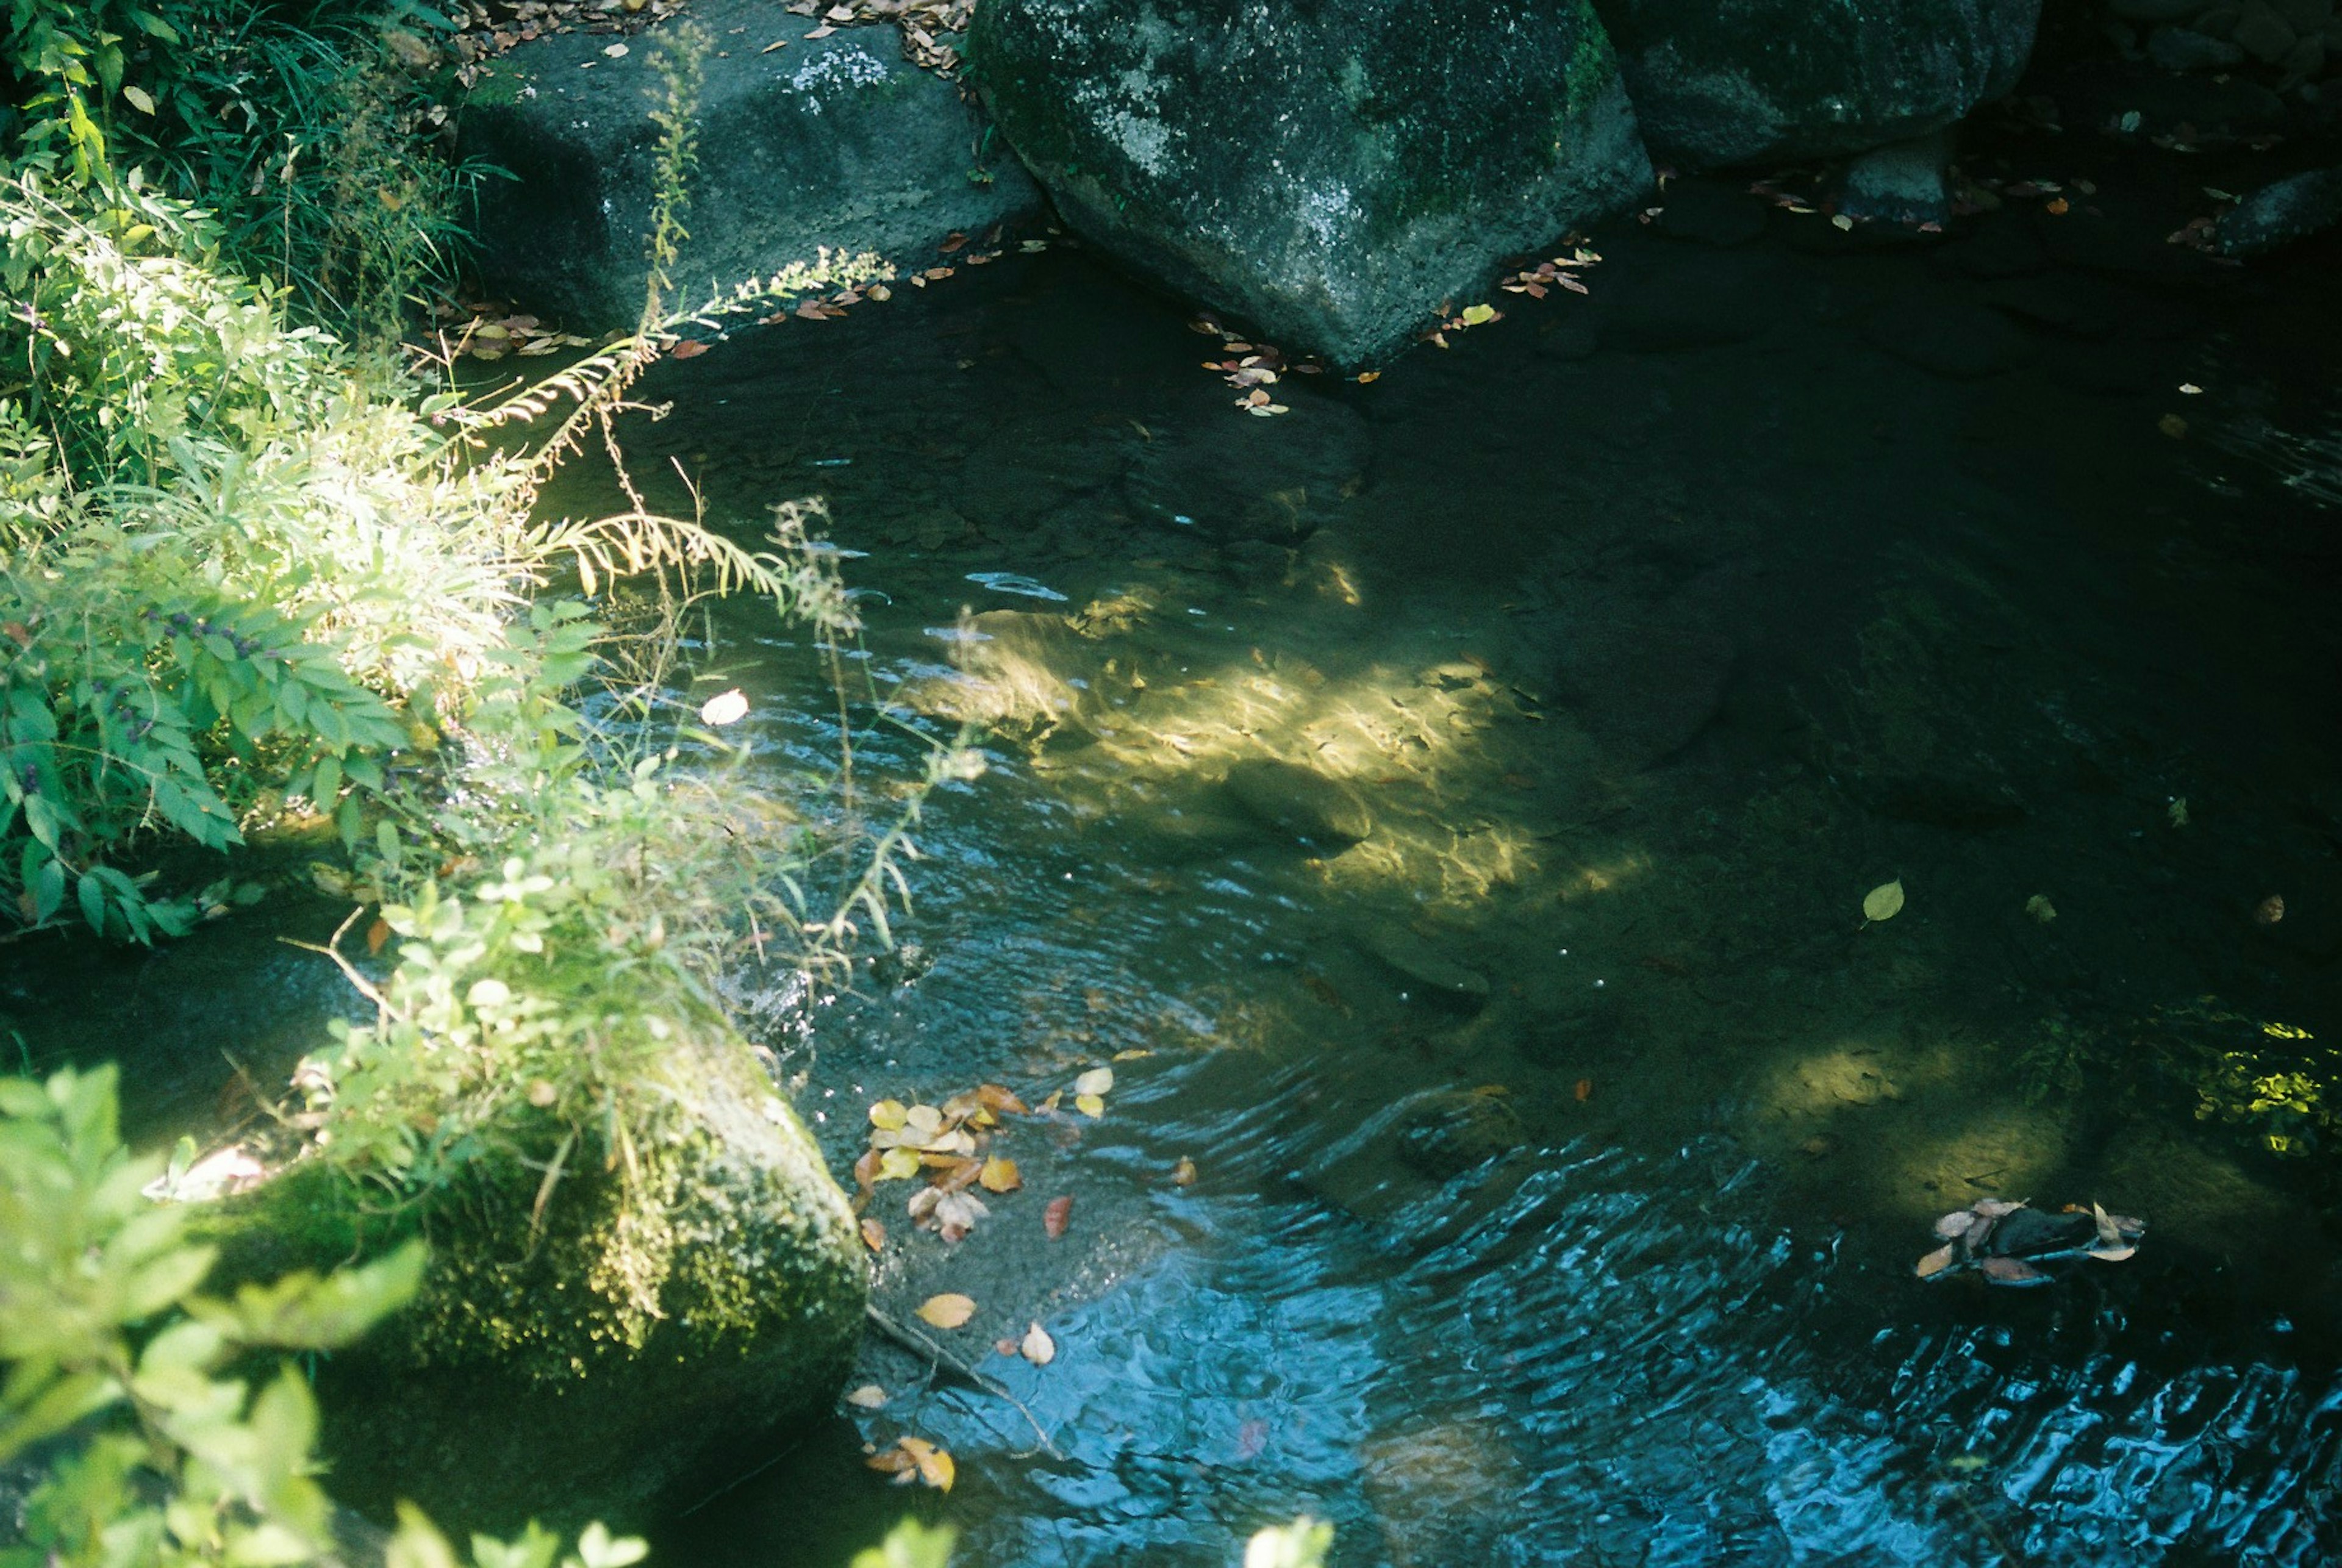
690 348
1054 1217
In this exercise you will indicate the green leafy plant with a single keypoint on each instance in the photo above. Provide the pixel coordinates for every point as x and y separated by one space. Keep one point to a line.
174 1429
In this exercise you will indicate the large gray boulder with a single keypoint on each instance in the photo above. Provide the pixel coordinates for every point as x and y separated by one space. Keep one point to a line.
837 141
1330 172
1718 82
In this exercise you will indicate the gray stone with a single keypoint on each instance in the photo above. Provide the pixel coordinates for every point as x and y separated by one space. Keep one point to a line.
1331 173
2261 32
1900 182
2185 49
2278 214
836 142
1718 82
1301 802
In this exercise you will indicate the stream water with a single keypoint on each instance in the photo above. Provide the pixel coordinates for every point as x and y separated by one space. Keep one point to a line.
1561 1151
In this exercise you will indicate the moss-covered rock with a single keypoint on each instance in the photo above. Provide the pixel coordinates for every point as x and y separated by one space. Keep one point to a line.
678 1297
1718 82
1332 172
834 142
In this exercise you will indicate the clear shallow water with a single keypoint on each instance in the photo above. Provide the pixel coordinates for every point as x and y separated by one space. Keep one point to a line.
1649 662
1654 628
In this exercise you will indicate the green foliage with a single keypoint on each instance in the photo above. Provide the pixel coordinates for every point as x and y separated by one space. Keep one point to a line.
909 1544
171 1439
226 568
304 126
2283 1090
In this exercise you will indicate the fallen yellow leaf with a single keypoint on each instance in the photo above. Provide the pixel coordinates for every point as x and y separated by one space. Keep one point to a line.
1089 1104
1882 901
888 1114
947 1310
1096 1080
999 1176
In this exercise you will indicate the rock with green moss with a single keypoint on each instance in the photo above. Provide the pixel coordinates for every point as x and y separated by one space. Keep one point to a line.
1331 173
1719 82
834 142
674 1305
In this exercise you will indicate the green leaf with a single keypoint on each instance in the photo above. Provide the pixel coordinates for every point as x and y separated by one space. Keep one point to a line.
92 893
910 1544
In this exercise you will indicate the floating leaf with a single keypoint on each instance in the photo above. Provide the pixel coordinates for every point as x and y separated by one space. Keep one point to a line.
2114 1255
935 1465
2177 814
1957 1223
2013 1272
1091 1105
1096 1080
888 1114
1055 1217
999 1176
993 1097
2040 908
615 52
690 348
2173 426
874 1234
1934 1264
897 1165
1183 1174
947 1310
2269 911
869 1396
1582 1090
1478 314
1038 1348
1884 901
725 708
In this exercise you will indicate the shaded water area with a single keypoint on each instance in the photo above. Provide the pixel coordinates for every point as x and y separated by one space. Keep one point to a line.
1562 1150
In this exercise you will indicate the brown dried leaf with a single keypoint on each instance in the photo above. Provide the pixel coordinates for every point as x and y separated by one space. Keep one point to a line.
2013 1272
874 1234
1934 1264
1055 1217
994 1097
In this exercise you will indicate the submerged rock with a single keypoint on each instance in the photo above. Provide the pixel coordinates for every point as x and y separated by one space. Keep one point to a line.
836 142
1301 802
2283 212
1424 965
2014 1244
683 1298
1331 173
1718 82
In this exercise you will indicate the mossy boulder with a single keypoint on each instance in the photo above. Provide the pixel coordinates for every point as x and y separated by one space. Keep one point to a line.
834 142
675 1302
1722 81
1329 172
